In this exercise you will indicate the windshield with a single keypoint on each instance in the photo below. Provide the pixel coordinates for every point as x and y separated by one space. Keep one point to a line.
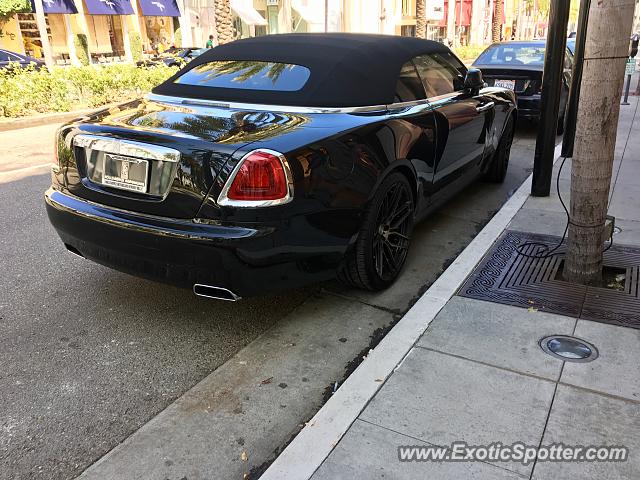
247 75
512 54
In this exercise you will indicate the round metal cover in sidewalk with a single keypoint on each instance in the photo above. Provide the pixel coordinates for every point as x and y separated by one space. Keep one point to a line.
569 349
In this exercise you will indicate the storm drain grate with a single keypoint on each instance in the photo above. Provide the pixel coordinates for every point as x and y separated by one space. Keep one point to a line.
505 277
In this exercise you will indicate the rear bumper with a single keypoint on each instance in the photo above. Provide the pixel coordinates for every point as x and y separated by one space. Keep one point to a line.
529 107
245 260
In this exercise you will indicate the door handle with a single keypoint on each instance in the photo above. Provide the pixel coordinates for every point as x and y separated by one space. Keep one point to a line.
485 106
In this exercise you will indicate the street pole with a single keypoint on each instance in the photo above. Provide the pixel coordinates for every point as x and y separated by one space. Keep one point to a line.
551 88
576 78
626 90
631 65
606 52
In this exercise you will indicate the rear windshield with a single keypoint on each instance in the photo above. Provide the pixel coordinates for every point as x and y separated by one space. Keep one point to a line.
512 55
247 75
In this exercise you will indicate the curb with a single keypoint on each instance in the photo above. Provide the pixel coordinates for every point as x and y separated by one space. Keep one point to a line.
304 455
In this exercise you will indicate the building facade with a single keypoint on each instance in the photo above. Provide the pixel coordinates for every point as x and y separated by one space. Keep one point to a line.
116 30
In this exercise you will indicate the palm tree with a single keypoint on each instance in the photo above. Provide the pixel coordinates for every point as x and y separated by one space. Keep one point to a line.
421 19
242 70
224 21
496 25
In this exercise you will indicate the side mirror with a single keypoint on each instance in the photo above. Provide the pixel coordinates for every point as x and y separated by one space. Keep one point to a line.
473 80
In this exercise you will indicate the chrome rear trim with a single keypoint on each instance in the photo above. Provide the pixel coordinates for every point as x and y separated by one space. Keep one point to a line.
194 102
128 148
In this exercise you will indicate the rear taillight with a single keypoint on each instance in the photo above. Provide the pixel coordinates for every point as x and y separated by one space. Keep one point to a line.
261 178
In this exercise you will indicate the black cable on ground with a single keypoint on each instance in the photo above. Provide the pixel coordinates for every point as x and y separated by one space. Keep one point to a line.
544 250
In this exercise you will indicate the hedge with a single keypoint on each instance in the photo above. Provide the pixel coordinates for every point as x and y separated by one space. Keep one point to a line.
469 52
27 91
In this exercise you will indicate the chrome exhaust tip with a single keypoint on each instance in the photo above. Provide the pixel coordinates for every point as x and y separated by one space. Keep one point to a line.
218 293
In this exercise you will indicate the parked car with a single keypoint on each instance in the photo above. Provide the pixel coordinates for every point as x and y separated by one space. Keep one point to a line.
10 59
518 65
263 166
174 57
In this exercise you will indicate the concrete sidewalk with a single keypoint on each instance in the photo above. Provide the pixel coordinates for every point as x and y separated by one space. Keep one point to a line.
477 373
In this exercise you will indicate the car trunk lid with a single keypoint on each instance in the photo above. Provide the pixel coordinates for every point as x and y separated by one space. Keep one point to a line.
527 81
177 150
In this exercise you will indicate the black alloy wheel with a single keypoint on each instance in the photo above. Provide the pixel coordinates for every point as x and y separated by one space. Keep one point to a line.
500 162
383 243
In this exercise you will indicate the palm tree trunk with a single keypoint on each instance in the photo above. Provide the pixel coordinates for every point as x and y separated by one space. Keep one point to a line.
496 24
224 21
421 19
606 50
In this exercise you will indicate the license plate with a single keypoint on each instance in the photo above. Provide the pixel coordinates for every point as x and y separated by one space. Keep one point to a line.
126 173
510 84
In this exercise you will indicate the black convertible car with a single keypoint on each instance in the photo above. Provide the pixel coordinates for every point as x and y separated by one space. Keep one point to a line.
276 161
518 66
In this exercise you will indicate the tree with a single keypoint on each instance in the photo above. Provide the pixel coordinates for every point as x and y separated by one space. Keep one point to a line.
224 21
606 50
421 18
8 8
496 24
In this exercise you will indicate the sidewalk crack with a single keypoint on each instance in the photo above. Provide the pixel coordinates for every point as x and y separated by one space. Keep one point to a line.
546 422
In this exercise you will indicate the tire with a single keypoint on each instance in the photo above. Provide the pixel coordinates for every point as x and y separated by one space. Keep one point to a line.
500 162
384 238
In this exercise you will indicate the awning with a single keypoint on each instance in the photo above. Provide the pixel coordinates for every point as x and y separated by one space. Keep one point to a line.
308 13
159 8
109 7
56 6
249 15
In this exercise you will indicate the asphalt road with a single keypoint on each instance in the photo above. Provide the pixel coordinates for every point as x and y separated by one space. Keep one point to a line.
89 355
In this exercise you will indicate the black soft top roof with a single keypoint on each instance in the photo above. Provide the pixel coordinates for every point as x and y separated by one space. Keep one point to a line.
347 70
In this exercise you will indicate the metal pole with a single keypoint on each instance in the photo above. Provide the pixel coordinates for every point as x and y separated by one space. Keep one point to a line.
551 85
626 91
576 79
635 39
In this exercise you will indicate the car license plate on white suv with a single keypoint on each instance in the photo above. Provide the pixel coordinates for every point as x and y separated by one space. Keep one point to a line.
126 173
510 84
